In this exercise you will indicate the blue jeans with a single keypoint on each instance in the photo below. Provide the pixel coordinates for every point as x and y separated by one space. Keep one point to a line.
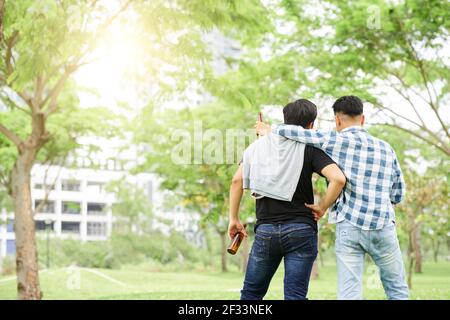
297 243
382 246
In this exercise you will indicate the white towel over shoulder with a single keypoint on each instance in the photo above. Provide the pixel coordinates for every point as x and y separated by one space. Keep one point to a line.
272 166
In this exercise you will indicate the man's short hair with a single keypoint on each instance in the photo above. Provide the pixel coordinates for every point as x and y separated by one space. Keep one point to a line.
348 105
301 112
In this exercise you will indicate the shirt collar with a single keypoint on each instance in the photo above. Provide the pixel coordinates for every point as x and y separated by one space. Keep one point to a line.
354 128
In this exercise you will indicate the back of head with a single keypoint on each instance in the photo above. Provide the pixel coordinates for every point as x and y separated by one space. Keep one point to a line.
351 106
301 112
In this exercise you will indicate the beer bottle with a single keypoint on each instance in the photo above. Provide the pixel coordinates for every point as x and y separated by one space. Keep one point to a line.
237 240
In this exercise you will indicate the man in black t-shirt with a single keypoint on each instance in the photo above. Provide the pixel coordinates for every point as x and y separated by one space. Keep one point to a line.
287 229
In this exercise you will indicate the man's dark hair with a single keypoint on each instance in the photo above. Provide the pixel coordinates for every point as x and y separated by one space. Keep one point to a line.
349 105
300 112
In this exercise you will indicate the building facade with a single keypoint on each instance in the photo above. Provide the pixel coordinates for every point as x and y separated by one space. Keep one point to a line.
71 204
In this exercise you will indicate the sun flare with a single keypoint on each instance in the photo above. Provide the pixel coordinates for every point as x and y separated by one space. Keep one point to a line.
111 62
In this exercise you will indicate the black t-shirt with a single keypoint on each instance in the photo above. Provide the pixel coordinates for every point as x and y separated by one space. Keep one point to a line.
273 211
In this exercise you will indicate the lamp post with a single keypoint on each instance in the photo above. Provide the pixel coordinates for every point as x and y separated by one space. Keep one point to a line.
48 223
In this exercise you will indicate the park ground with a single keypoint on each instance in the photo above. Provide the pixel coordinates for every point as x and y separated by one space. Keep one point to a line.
138 283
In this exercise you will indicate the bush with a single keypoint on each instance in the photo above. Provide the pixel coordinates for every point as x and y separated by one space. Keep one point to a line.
8 266
187 250
96 254
156 248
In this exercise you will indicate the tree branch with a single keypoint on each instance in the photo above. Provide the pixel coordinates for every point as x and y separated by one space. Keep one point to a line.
12 104
10 42
424 78
445 149
408 99
433 106
53 95
381 107
14 138
2 14
56 90
37 95
407 96
52 185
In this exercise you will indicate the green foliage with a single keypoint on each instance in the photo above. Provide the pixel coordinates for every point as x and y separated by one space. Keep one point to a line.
73 252
121 249
426 201
132 207
372 49
134 249
202 186
8 265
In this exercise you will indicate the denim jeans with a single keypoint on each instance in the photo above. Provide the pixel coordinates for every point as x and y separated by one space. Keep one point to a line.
382 245
297 244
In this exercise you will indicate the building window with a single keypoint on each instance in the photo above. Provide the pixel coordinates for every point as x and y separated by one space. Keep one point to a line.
47 207
70 185
70 207
95 187
97 209
10 247
70 227
42 226
96 229
10 226
41 186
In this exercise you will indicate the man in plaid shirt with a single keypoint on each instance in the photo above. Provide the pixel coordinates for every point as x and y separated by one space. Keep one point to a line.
364 211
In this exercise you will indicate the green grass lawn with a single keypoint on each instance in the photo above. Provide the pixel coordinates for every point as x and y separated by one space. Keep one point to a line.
434 283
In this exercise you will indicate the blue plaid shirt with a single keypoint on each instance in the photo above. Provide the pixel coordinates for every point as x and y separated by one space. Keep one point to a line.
374 178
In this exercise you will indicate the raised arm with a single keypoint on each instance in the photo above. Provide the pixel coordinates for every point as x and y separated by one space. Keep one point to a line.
316 138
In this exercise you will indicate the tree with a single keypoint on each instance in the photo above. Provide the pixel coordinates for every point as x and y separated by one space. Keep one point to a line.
132 207
424 191
424 206
200 179
372 49
396 48
437 220
42 44
200 187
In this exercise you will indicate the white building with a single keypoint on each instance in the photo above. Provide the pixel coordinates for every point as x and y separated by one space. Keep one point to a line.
78 207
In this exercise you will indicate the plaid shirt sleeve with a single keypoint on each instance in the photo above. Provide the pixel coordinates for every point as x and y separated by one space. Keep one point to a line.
398 183
316 138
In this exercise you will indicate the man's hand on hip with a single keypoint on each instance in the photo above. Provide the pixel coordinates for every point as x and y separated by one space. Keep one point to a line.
317 210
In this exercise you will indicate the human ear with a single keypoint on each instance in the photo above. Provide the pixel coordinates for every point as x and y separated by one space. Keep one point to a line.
338 121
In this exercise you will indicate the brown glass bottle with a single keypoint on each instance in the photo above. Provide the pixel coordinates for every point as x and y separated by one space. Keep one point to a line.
234 246
259 119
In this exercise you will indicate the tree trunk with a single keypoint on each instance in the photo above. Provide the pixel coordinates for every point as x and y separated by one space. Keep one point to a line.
244 255
209 261
417 248
410 258
320 251
26 252
410 273
223 239
435 243
436 252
